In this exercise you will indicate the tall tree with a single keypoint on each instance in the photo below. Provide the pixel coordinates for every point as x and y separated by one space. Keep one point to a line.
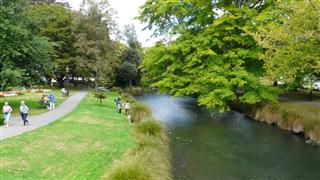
292 46
93 26
23 51
54 22
214 58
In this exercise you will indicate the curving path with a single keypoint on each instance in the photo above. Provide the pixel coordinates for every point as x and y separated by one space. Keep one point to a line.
16 126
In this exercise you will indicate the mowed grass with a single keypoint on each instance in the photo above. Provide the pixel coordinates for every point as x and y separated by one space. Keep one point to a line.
32 100
81 145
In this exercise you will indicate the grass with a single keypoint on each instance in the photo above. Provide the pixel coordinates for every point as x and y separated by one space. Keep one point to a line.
150 159
139 111
82 145
32 100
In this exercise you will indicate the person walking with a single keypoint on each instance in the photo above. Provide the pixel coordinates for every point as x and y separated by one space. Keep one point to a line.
127 107
6 109
119 105
24 112
52 101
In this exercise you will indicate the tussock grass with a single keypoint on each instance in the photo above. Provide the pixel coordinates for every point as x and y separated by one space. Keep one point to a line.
290 116
139 111
127 97
150 159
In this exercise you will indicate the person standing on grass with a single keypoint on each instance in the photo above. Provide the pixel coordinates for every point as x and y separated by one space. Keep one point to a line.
6 109
119 105
52 101
24 112
127 107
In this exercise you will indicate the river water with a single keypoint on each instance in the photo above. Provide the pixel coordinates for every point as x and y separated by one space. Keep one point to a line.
207 145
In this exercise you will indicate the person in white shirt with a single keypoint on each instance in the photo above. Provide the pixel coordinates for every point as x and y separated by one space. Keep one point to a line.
127 107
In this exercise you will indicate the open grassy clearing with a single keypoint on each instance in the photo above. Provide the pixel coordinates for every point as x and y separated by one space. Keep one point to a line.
81 145
32 100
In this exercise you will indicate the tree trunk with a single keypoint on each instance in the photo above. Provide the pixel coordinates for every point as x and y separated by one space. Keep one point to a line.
61 82
130 83
310 90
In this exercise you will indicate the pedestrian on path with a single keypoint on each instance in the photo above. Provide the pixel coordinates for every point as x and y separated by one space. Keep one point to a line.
119 104
127 107
52 101
24 112
6 109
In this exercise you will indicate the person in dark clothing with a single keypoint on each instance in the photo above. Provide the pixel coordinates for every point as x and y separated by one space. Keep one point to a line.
24 112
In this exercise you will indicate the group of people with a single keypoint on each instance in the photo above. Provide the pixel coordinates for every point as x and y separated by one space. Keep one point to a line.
119 106
7 110
48 101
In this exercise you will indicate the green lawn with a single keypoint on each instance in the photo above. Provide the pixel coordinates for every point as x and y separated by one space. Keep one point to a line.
32 100
79 146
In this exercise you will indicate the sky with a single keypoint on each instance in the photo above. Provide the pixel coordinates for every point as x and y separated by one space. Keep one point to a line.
126 10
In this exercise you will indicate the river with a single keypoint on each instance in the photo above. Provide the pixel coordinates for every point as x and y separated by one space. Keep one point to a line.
207 145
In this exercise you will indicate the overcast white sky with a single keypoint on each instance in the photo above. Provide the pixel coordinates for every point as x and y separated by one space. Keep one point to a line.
127 10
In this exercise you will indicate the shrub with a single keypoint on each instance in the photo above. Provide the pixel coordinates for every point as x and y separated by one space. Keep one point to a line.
117 90
100 95
136 91
130 169
139 111
127 97
1 96
149 127
1 121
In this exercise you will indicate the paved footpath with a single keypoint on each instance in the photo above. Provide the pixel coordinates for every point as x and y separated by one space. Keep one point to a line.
16 126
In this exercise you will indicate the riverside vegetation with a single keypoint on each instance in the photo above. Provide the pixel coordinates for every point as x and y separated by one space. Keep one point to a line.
150 159
87 143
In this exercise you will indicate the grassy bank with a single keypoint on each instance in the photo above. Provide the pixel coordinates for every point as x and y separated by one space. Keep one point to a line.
292 116
81 145
150 157
32 100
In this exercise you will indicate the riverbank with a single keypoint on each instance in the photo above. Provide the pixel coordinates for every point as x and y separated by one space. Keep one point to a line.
300 118
81 145
150 158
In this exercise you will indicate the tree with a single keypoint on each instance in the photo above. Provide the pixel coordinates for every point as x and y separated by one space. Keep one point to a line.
292 42
93 26
214 58
23 51
130 55
100 95
54 22
127 72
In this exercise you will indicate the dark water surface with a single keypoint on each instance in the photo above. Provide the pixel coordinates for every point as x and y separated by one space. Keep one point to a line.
207 145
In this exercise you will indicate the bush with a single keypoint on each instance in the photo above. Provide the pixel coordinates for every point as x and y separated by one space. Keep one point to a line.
136 91
149 127
1 96
1 121
139 111
130 169
117 90
100 95
127 97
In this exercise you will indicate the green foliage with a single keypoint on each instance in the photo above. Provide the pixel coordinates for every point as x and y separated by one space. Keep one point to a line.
93 26
127 97
100 95
1 120
149 127
23 49
127 72
212 63
139 111
291 40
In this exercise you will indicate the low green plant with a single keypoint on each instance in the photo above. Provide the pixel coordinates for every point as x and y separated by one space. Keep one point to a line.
100 96
136 91
139 111
1 121
131 169
117 90
127 97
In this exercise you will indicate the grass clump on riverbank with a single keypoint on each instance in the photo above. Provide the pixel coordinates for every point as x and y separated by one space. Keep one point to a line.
150 158
81 145
292 116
